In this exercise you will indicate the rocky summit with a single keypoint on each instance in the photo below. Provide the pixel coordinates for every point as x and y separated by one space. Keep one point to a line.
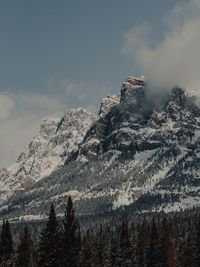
47 151
141 151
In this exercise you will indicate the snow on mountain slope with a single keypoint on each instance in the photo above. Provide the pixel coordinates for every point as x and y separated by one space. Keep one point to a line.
48 150
107 103
141 153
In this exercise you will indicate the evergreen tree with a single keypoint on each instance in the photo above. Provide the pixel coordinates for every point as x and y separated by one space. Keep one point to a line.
99 247
164 241
152 258
6 245
125 245
196 243
165 244
114 248
133 244
141 240
85 259
71 239
48 247
185 251
173 261
24 253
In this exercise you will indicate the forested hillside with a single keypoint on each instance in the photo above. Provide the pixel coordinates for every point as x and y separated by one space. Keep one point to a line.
150 240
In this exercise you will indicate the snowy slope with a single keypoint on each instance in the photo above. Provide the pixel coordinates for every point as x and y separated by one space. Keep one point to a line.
140 152
46 152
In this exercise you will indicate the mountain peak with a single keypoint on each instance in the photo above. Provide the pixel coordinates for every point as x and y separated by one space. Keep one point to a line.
47 151
132 86
107 103
133 153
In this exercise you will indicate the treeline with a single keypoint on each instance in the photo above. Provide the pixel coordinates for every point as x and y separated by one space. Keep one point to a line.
157 240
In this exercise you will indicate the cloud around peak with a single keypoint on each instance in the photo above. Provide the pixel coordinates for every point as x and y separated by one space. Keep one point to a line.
176 59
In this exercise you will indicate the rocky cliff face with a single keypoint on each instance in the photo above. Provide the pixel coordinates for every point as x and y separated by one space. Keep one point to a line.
140 151
46 152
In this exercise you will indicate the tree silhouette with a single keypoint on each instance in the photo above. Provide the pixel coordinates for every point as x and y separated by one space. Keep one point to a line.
48 247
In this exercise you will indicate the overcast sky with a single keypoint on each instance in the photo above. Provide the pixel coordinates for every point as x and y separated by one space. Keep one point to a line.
69 53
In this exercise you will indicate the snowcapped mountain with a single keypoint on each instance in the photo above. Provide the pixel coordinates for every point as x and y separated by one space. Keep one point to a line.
47 151
142 151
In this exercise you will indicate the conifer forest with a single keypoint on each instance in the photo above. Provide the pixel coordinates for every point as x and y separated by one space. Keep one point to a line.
156 240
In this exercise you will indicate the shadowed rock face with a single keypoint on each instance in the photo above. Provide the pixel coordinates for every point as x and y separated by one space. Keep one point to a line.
139 152
134 124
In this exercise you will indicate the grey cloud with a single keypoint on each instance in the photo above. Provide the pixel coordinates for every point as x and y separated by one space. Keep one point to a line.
176 59
6 106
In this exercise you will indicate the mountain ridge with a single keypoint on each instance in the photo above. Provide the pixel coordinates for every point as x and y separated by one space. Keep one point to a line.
46 152
136 152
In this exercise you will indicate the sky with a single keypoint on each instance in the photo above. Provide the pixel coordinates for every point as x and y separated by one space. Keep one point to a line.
60 54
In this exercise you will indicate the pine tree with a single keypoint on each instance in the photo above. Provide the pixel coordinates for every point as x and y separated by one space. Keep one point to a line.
165 244
173 261
152 258
141 240
24 253
99 247
196 243
109 249
133 244
71 239
6 244
185 252
125 245
114 248
85 259
48 247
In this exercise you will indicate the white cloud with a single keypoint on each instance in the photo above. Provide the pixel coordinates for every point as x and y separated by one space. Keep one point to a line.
136 39
6 106
176 59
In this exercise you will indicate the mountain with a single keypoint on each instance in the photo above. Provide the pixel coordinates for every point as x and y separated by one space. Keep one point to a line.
47 151
141 152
